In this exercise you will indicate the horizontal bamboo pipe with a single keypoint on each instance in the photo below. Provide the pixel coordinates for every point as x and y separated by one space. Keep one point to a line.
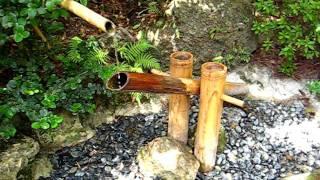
153 83
88 15
230 88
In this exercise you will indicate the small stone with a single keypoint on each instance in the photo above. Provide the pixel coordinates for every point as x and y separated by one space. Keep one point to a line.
311 161
107 168
103 160
258 167
79 173
73 170
238 129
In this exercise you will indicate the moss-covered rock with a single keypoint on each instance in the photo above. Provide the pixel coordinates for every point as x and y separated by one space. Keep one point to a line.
71 132
41 167
16 157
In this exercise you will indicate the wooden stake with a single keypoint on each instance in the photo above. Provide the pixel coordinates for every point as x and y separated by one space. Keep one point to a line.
88 15
213 76
181 64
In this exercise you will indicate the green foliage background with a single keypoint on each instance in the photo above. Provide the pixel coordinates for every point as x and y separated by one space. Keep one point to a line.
294 26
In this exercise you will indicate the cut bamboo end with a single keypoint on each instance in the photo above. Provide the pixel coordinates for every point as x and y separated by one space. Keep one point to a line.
213 76
181 64
233 100
213 71
88 15
181 58
118 81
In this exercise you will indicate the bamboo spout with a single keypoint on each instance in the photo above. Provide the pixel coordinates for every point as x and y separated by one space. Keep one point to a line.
151 83
189 86
88 15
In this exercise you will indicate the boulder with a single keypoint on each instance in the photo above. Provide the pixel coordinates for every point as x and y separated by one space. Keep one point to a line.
17 157
108 115
41 167
206 28
70 133
167 158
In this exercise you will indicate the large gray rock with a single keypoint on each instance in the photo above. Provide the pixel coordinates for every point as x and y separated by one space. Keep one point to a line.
17 157
168 159
206 28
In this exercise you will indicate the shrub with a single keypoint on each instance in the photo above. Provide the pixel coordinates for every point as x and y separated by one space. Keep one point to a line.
294 26
38 87
314 87
17 17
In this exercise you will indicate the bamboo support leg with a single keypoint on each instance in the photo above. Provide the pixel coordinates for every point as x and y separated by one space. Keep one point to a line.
213 76
181 64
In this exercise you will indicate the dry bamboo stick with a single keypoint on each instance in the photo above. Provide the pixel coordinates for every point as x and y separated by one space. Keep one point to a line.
230 88
88 15
181 64
213 76
233 100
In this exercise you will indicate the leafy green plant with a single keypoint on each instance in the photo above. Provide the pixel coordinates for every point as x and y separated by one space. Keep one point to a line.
19 17
314 87
236 55
39 87
294 26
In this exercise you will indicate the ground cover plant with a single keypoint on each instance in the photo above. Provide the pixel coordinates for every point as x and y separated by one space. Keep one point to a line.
291 26
40 86
39 80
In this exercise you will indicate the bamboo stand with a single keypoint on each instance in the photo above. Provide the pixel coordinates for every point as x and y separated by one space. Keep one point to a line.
213 91
213 76
181 64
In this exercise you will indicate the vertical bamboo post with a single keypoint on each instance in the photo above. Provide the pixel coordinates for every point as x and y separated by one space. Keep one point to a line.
181 64
213 76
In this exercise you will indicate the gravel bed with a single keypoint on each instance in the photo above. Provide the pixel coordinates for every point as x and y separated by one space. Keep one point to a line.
269 142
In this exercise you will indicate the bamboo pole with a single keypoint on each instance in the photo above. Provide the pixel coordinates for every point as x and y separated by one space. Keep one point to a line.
181 64
88 15
230 88
213 76
153 83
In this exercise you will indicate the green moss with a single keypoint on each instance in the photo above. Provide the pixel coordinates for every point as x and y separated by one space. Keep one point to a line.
223 139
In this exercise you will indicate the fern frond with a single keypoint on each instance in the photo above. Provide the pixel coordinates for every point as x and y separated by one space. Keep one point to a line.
74 56
75 42
97 56
132 50
147 61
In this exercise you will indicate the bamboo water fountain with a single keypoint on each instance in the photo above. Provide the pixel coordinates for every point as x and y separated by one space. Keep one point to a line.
212 88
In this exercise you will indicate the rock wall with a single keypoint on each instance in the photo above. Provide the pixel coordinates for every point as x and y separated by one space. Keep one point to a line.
206 27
